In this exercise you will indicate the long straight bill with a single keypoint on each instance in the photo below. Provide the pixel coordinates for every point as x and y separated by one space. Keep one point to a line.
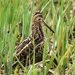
47 26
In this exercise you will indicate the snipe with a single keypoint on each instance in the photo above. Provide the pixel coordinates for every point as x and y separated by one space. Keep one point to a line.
25 50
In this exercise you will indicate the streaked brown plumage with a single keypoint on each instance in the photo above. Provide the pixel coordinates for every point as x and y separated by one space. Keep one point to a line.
25 50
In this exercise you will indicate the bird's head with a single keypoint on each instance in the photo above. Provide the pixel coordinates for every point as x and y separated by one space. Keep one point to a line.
38 18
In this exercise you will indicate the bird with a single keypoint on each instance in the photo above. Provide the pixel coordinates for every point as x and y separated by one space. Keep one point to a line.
32 47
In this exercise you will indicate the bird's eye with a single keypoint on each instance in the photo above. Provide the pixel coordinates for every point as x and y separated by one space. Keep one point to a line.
39 19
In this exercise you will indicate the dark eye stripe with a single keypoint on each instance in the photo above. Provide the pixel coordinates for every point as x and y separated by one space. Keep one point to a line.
40 15
37 13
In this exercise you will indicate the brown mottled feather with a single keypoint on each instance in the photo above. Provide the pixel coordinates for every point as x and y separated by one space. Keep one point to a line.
25 50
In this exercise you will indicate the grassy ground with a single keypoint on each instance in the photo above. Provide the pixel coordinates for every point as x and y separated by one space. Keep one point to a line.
57 15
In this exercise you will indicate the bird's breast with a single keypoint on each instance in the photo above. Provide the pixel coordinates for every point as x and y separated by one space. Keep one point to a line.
37 33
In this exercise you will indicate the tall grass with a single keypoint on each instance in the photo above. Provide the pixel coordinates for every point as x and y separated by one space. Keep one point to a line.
14 11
